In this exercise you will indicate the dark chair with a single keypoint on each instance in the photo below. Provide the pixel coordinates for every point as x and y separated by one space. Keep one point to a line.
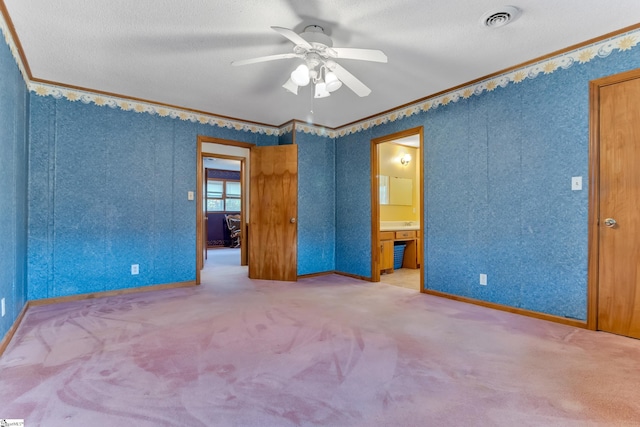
233 224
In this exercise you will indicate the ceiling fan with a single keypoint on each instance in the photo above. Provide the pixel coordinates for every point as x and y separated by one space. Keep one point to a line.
316 49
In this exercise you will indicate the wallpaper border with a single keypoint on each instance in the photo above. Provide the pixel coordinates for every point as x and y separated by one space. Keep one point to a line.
582 55
547 66
101 100
8 39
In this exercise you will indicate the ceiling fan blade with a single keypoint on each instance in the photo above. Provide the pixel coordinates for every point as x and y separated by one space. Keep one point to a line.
372 55
351 81
293 36
265 59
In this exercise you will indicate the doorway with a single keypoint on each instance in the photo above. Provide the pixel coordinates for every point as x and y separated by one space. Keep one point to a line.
397 209
223 209
228 151
266 173
614 197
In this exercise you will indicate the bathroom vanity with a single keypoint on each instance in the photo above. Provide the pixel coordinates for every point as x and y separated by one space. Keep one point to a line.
399 231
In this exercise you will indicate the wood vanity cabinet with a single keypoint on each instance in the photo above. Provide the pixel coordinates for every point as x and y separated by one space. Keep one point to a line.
386 251
386 255
411 252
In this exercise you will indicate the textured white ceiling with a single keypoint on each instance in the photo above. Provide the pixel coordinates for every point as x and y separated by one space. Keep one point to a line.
180 53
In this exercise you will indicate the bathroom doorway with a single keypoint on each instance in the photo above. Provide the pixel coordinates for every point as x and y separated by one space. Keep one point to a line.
397 203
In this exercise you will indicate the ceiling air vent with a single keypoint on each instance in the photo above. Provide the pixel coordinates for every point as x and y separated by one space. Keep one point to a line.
500 17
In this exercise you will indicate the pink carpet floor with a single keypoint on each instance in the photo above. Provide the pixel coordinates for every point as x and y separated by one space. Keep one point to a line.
325 351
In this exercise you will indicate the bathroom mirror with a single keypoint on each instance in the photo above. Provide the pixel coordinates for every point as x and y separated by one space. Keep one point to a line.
396 191
400 191
384 189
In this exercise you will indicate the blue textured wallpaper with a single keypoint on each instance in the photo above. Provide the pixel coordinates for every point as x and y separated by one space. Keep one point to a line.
108 189
316 203
353 204
14 111
285 139
498 198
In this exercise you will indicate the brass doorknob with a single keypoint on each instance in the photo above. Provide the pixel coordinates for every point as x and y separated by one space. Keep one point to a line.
292 220
610 222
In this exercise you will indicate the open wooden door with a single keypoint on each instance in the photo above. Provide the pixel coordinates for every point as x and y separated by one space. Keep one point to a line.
273 228
205 220
616 224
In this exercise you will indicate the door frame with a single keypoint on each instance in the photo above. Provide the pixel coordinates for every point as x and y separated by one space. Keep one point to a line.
375 200
202 139
594 190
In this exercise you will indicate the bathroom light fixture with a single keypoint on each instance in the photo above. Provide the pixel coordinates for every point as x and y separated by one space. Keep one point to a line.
405 159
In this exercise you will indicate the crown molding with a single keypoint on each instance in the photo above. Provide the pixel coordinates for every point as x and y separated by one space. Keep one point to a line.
149 107
10 38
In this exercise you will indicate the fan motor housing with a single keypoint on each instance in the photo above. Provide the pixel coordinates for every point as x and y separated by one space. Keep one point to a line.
315 34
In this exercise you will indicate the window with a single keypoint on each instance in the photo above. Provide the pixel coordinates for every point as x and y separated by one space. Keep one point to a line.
223 195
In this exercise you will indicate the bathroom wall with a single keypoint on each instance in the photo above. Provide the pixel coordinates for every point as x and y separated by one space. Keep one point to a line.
14 111
389 155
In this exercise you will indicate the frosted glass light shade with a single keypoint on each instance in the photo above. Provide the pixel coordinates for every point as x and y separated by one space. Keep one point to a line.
300 75
321 90
291 87
332 81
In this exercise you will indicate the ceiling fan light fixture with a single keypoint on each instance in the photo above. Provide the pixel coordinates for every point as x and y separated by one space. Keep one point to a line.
300 75
332 82
315 48
291 87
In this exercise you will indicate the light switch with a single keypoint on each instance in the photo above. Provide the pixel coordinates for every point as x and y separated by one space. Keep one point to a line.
190 195
576 183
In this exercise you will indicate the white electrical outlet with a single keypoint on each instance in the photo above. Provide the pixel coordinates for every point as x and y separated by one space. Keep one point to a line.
483 279
135 269
190 195
2 306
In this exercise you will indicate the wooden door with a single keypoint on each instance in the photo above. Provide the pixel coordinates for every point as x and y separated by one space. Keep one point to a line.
203 220
205 238
618 302
273 228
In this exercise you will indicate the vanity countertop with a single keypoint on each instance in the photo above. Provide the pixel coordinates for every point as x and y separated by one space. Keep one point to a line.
399 225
